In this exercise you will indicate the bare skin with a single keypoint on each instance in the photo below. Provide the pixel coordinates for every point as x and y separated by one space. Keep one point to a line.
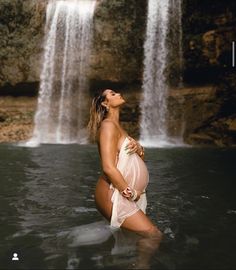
110 138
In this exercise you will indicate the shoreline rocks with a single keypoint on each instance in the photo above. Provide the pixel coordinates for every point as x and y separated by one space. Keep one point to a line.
199 128
16 118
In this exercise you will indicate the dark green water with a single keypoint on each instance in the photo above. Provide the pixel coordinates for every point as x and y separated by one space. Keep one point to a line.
46 198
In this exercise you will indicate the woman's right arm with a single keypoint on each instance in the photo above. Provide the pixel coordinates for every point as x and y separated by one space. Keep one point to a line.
108 140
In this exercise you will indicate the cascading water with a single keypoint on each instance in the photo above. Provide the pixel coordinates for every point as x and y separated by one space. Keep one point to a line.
157 48
62 101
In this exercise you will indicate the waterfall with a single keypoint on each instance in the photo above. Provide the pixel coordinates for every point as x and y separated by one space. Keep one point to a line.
160 42
63 93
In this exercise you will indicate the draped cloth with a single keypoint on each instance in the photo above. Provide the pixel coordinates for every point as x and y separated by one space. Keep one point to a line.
135 173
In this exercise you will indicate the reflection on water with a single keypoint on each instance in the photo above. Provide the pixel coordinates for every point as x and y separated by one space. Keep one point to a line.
49 218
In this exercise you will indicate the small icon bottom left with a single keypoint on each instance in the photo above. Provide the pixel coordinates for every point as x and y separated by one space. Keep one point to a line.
15 257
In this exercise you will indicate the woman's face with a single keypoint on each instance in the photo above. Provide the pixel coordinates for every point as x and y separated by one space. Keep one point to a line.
113 99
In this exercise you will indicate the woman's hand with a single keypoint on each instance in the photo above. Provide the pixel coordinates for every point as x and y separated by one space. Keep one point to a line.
131 194
134 147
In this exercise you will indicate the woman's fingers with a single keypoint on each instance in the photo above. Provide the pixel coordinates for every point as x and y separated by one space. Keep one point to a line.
132 146
130 138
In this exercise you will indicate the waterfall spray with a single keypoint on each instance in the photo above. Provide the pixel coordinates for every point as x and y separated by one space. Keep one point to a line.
154 113
63 93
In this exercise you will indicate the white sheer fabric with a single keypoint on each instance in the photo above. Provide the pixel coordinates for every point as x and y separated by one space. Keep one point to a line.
135 172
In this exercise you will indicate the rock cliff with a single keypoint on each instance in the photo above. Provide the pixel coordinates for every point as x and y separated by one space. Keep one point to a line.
202 109
208 30
22 26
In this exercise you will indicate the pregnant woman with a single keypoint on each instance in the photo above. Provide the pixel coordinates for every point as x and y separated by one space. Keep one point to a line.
120 192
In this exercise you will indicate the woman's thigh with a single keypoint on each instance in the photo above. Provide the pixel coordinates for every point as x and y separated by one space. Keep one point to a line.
140 223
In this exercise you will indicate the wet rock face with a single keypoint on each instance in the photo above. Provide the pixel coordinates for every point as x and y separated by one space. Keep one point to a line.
208 31
119 29
21 36
198 116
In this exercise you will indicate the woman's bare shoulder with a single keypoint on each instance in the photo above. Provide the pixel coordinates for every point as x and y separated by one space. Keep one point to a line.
108 126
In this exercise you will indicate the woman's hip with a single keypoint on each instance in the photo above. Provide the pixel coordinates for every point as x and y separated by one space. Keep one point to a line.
103 195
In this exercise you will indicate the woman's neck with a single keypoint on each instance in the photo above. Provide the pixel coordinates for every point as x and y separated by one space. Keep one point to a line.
114 115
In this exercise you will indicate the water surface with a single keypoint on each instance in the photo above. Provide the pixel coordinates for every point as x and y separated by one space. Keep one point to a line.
49 218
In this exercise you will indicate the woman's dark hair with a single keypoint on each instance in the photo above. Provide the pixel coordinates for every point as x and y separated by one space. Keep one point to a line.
97 113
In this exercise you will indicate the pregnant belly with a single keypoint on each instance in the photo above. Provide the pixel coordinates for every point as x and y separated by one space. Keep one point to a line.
137 174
